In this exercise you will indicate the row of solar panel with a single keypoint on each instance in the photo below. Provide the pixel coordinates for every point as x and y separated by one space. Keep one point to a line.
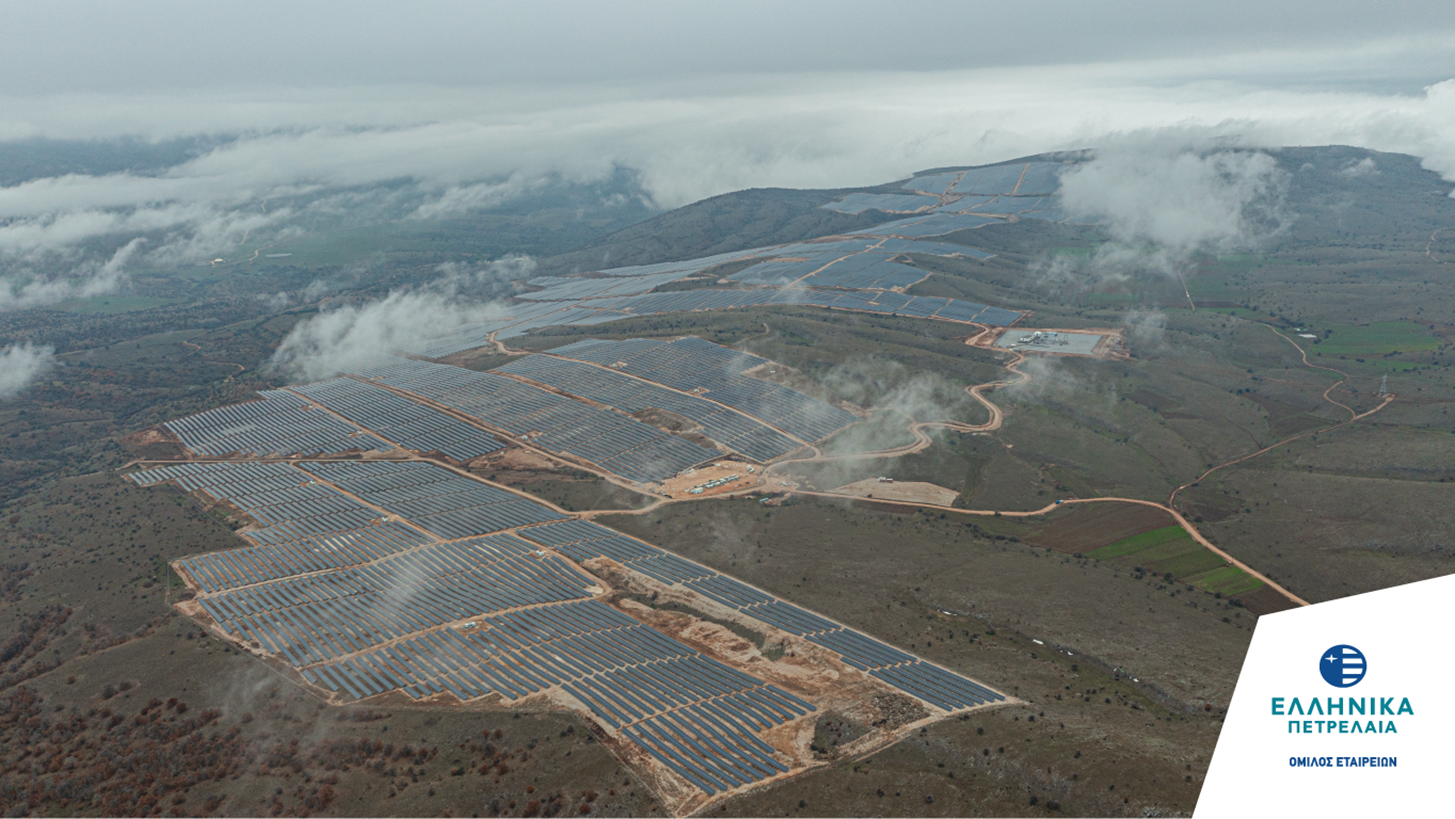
687 301
277 495
887 202
683 267
406 422
450 505
868 270
431 560
374 627
633 671
277 423
690 363
573 289
730 429
625 673
698 745
478 334
446 504
937 224
627 447
1025 179
584 541
351 610
217 571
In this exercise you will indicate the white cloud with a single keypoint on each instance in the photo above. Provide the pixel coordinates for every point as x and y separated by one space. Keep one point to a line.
305 152
1363 167
358 335
21 365
90 279
1181 202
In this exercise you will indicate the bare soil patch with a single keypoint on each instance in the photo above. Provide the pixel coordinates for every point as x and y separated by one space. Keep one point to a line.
910 491
666 420
1265 600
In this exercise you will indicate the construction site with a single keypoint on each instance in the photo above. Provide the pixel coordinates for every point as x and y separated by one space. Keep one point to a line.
1097 344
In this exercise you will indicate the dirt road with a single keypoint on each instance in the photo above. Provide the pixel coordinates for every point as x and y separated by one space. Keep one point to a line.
1353 416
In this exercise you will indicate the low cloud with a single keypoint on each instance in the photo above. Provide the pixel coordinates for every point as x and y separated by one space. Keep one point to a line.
1181 203
32 289
896 397
1050 381
1162 201
358 335
1361 168
21 365
1146 329
286 158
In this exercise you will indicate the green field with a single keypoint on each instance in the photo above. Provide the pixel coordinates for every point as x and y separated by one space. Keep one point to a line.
1169 549
1138 543
112 304
1229 580
1378 338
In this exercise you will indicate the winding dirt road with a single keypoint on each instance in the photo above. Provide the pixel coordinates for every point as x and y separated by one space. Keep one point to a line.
1353 415
923 440
198 349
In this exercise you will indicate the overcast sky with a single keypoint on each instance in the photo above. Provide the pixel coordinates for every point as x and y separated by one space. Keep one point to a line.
144 45
468 101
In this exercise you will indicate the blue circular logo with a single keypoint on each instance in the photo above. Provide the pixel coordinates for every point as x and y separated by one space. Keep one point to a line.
1342 666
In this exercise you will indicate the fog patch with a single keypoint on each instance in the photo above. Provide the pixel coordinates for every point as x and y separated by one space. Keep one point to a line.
21 365
1146 329
1162 207
354 336
31 289
1219 201
892 393
1049 380
1362 168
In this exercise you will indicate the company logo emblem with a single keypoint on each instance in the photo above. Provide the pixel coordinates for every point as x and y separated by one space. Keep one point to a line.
1342 666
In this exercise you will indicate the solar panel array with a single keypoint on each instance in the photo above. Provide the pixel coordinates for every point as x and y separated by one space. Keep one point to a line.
478 334
965 204
887 202
931 248
937 224
447 504
278 496
314 618
784 270
1041 179
996 179
613 441
684 267
388 608
481 615
691 363
938 183
730 429
583 541
575 289
698 716
615 294
861 271
406 422
279 423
